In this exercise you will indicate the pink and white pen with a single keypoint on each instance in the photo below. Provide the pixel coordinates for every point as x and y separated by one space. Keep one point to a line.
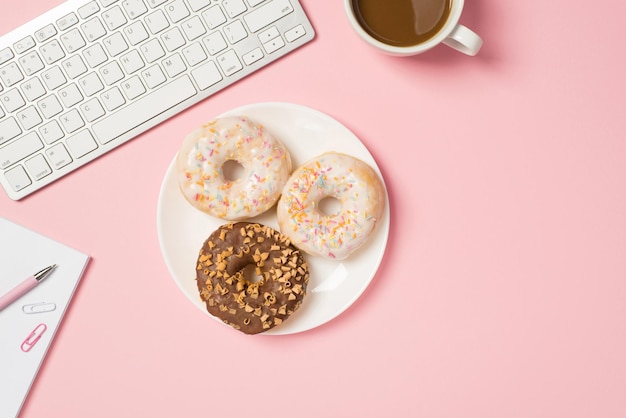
19 290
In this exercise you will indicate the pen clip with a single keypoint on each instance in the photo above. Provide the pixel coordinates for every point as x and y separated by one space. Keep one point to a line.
33 337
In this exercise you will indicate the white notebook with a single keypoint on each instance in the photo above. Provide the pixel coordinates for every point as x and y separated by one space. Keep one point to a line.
29 324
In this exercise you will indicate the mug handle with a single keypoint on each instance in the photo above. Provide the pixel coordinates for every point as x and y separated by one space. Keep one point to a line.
464 40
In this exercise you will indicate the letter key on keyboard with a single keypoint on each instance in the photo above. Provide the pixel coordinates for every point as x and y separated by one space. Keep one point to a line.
89 75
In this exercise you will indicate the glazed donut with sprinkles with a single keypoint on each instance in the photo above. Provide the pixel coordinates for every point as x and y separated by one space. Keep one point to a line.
203 159
359 192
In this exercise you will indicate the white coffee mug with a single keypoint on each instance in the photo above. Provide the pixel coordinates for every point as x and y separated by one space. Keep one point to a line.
452 33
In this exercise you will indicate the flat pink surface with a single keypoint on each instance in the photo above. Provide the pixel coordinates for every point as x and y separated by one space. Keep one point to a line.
503 289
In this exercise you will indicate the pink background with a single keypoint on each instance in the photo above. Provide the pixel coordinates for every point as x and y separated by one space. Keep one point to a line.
503 289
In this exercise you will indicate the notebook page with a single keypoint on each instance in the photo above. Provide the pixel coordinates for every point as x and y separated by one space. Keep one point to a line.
39 312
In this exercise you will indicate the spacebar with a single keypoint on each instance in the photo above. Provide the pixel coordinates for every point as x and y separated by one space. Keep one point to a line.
144 109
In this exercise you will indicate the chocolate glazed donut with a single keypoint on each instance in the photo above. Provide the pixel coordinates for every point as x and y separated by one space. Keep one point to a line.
257 304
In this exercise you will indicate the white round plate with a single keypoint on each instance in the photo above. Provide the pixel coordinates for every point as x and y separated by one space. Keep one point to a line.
333 285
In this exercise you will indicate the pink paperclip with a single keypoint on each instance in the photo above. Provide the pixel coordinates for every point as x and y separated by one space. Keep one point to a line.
33 337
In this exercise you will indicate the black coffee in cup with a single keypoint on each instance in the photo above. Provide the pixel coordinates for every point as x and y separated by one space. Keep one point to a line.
402 22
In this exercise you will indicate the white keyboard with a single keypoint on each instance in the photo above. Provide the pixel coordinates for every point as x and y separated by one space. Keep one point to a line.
88 76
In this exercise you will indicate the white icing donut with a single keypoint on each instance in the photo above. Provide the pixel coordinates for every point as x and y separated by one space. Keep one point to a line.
357 188
200 163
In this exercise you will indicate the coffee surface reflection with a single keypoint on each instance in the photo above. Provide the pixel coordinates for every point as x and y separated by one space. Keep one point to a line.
402 22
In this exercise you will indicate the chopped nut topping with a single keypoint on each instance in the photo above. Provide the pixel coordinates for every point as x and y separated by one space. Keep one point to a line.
281 269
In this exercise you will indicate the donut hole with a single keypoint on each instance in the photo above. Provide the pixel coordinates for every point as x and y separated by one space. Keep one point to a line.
250 275
329 206
232 170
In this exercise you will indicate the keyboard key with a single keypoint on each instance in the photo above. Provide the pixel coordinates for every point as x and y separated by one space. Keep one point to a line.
295 33
31 63
20 149
11 74
115 44
17 177
9 129
112 98
274 45
95 55
38 167
93 29
90 84
235 32
53 78
134 8
252 56
50 106
173 65
133 87
45 33
131 61
88 9
144 109
136 33
173 39
92 110
206 75
12 100
81 144
29 117
52 51
152 50
177 11
198 4
194 54
71 121
24 45
156 21
72 40
215 43
153 76
107 3
70 95
111 73
74 66
268 34
229 63
214 16
5 55
33 89
51 132
58 156
234 7
67 21
267 14
114 18
193 28
155 3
